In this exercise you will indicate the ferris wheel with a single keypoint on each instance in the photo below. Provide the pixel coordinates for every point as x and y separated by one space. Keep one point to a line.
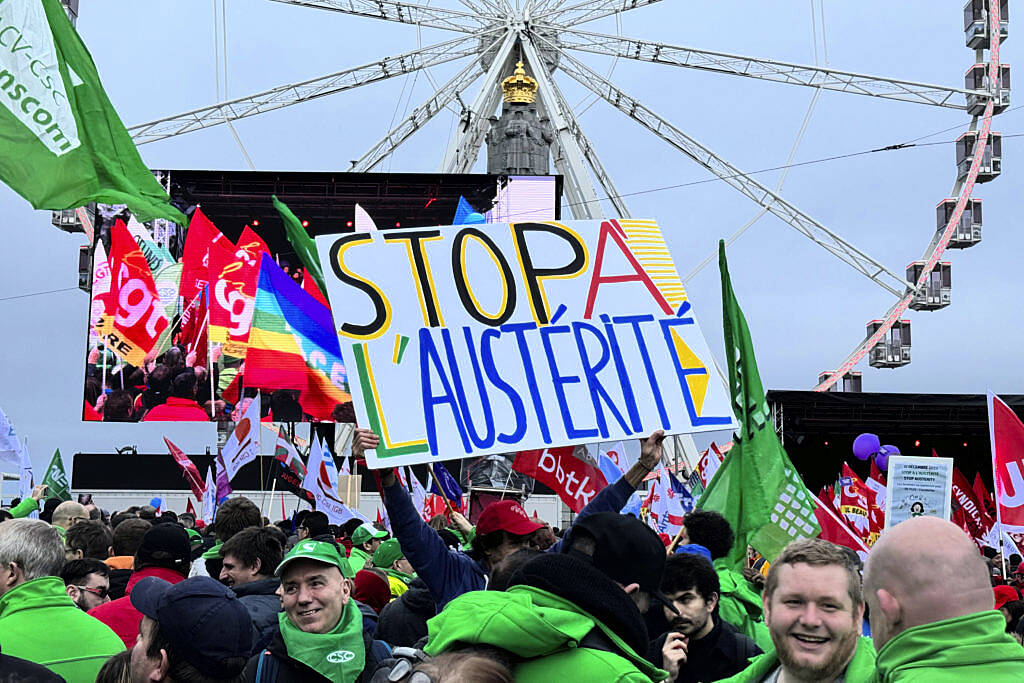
549 37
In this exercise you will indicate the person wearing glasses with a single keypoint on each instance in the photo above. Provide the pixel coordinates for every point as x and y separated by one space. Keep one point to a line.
87 582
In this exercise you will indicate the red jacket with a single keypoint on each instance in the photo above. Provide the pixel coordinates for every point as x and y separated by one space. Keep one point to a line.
121 615
177 410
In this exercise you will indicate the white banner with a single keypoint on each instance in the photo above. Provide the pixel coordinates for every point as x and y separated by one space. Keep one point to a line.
243 445
918 487
469 340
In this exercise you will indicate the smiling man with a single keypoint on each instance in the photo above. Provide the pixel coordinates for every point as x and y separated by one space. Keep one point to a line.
814 606
700 645
320 634
249 560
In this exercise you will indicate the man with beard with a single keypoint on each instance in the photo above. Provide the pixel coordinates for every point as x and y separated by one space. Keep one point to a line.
931 608
87 582
813 605
699 645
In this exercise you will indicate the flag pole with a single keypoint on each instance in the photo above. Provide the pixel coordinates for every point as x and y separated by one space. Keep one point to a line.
675 541
444 496
209 363
995 476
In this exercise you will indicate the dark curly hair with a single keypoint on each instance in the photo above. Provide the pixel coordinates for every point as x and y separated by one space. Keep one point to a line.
711 530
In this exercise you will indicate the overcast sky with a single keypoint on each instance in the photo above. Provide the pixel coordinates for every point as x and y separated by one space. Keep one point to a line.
806 309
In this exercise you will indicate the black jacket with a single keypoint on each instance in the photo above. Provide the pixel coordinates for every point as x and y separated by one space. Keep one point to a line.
118 582
19 670
720 654
403 621
261 600
278 667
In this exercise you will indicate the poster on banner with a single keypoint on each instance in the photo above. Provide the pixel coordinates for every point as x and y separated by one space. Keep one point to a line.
918 487
469 340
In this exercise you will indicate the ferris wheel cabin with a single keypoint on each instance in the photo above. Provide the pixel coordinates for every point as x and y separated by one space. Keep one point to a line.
894 349
976 23
935 293
968 229
851 382
991 160
976 78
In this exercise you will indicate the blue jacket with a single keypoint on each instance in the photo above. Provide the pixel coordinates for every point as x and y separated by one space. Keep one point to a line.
263 603
450 573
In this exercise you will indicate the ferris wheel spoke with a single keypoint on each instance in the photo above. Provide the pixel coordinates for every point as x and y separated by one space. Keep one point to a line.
405 13
464 147
419 117
806 225
569 157
590 155
287 95
589 10
765 69
485 7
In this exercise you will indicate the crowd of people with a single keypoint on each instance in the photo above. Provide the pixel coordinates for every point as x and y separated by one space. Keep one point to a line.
145 596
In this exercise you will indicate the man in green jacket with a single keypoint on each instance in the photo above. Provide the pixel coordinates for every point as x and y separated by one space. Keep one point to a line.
365 541
30 504
38 621
931 602
568 616
814 607
739 602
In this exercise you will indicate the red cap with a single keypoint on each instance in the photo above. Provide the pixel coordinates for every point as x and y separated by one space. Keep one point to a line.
505 515
1004 594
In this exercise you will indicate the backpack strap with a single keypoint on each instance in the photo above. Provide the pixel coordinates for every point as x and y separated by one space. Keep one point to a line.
266 666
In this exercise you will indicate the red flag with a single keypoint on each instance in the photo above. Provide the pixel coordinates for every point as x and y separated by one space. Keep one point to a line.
835 530
1007 433
188 469
133 318
853 502
234 278
195 258
194 332
982 495
979 524
189 509
252 244
575 481
309 284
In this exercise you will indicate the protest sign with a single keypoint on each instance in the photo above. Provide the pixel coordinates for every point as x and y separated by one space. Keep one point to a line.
918 487
470 340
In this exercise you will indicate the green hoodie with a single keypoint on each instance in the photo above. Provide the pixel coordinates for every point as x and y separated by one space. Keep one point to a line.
40 623
357 559
543 629
861 668
974 647
740 605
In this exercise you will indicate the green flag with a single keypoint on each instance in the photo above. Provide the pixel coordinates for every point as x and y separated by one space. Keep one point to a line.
756 488
303 244
62 144
55 478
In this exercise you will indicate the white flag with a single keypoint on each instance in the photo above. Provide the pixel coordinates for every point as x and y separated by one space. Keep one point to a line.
209 497
345 468
419 495
244 443
25 482
10 446
322 481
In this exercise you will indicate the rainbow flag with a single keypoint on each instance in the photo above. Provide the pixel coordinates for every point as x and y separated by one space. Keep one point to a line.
292 344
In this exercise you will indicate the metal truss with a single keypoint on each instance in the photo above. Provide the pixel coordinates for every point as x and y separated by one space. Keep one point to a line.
287 95
809 227
474 121
419 117
589 10
765 69
583 201
405 13
593 161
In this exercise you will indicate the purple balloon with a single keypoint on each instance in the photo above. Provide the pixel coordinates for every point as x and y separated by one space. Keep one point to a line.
882 461
866 445
889 450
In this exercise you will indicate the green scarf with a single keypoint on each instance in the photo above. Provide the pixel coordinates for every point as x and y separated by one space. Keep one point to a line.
401 576
338 655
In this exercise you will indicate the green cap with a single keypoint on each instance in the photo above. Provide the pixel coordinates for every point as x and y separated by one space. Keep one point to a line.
387 554
321 551
193 536
366 532
214 552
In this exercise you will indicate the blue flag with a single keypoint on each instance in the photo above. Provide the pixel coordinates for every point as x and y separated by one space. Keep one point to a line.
609 469
463 210
684 496
451 489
